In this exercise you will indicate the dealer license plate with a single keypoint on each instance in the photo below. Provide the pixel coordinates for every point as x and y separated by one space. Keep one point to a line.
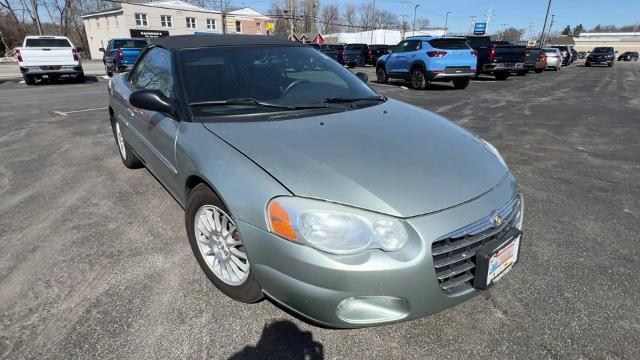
496 259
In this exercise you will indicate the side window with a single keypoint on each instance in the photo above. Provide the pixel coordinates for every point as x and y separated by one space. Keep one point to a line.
401 47
154 72
414 45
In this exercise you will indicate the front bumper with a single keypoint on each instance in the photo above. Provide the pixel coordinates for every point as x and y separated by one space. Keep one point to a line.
313 284
51 70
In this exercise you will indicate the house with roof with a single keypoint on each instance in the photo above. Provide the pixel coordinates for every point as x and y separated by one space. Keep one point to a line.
165 18
307 38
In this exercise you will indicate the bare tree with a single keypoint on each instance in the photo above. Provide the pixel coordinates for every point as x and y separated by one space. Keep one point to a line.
350 17
422 23
329 19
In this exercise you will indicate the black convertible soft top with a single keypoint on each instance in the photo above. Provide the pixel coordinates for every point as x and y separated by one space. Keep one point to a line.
198 41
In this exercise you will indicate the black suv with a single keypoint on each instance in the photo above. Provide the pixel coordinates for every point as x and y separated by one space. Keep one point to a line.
628 56
601 55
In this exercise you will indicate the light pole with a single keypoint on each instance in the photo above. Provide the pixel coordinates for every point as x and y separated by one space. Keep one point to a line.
472 18
415 10
373 17
446 21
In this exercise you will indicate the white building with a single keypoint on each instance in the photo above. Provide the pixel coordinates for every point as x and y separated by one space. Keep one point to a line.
164 18
621 42
378 37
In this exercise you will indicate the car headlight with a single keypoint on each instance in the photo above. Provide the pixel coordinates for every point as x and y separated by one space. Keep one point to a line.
494 151
334 228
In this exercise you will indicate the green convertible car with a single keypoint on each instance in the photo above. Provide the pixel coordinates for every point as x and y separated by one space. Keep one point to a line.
302 184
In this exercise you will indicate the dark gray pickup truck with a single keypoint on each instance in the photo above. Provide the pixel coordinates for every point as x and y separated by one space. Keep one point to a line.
497 58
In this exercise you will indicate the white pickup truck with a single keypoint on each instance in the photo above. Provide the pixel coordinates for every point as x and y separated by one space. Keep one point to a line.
51 56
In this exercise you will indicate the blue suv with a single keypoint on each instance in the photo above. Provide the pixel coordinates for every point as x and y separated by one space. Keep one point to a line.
423 59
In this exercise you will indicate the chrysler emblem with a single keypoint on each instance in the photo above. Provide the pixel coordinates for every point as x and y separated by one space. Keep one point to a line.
496 220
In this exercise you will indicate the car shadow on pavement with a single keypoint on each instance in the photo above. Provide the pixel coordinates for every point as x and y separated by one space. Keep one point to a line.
282 340
67 80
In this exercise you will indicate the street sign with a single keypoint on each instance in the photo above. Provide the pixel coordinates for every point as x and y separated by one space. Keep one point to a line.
531 43
269 26
479 28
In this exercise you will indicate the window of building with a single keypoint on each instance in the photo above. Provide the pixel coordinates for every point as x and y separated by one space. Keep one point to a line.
141 20
259 28
211 24
166 21
191 23
238 26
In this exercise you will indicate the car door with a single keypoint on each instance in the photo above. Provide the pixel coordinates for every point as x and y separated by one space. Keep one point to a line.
156 131
392 60
405 59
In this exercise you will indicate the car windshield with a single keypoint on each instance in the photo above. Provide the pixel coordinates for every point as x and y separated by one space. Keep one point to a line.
46 43
602 50
222 81
129 44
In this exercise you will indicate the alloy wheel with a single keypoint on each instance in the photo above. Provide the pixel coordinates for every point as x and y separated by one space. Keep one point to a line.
220 246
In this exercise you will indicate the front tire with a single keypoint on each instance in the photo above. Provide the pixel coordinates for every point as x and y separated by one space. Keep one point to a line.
381 74
587 64
80 77
418 79
129 159
461 84
217 245
538 71
501 76
522 72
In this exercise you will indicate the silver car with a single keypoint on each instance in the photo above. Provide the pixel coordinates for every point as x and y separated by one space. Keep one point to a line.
301 184
554 58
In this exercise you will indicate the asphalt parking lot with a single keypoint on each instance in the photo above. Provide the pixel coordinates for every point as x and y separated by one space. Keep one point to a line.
95 261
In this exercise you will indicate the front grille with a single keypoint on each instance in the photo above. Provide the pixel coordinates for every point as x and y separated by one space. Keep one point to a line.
454 254
457 69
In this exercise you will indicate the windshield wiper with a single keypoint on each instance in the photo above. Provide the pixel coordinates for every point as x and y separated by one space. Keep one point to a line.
348 100
252 101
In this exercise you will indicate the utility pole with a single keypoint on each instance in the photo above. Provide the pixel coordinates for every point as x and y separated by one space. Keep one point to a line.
373 19
291 19
415 10
37 17
489 14
224 20
530 37
544 26
473 20
446 21
550 26
404 18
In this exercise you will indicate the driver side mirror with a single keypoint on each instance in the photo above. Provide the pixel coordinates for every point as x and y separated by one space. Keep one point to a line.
363 76
152 100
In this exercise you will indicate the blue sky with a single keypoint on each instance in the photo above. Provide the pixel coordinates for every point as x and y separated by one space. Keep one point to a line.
516 13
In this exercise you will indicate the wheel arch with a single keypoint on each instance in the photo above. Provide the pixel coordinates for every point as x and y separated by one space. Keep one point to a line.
418 64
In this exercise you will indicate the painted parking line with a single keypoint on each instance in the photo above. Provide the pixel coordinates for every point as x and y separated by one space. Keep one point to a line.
66 113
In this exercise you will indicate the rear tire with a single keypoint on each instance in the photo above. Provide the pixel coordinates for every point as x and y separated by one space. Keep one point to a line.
461 84
501 76
80 77
351 65
522 72
418 79
587 64
129 159
381 74
248 290
108 72
29 79
538 71
610 64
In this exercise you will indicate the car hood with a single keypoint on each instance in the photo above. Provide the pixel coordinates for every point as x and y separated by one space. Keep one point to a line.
392 158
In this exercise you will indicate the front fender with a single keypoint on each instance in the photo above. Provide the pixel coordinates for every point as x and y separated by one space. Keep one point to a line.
243 186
